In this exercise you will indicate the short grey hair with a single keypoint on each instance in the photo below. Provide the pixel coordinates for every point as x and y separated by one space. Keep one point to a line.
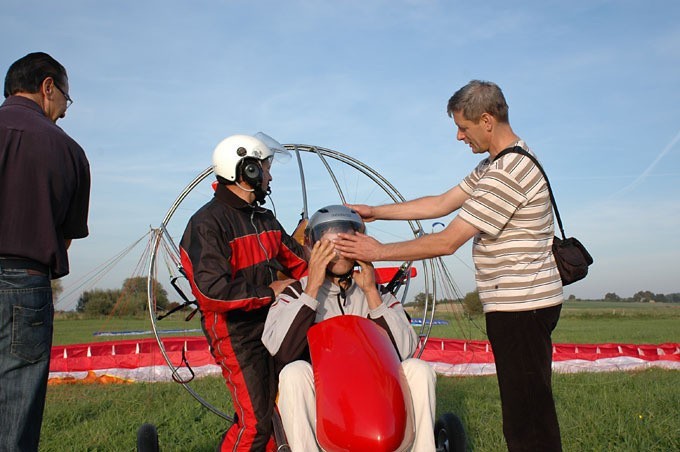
479 97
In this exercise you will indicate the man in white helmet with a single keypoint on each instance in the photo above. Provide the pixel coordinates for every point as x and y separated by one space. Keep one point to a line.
332 288
231 252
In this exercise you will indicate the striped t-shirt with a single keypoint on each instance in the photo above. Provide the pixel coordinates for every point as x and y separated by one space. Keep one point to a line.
510 204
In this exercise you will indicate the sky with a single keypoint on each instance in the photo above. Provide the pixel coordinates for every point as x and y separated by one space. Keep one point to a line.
593 88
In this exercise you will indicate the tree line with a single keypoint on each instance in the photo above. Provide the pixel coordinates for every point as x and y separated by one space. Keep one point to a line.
645 296
473 306
470 302
129 300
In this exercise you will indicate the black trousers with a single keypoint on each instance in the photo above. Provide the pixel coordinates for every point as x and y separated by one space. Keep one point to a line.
522 349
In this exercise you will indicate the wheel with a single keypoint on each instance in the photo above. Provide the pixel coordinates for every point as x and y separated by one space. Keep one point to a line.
147 438
449 434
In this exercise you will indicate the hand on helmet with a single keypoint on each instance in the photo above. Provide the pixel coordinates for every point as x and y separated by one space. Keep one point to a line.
364 211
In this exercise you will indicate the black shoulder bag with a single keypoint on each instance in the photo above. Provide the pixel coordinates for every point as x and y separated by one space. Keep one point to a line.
571 256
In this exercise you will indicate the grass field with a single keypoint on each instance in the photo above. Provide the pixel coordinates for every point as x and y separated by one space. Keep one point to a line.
618 411
580 322
69 331
587 322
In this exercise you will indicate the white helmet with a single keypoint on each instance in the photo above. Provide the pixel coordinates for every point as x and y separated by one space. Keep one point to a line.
229 153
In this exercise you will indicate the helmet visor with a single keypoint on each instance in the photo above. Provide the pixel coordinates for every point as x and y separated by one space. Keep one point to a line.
331 230
281 154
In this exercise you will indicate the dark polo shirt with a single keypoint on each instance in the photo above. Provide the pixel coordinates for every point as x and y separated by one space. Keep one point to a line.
44 186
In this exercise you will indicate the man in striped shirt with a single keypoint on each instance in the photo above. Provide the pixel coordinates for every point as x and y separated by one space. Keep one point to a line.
505 207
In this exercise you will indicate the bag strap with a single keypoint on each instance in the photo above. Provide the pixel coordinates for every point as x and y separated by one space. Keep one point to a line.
519 150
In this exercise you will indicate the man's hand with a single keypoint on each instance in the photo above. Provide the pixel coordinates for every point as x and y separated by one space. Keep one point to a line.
359 247
364 211
280 285
323 253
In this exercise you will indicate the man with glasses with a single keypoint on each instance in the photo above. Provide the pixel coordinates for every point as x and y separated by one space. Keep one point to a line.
69 101
44 201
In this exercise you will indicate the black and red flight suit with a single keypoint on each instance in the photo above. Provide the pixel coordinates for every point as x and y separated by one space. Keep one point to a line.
231 251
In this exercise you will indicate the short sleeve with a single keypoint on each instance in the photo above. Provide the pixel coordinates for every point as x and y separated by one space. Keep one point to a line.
494 200
470 182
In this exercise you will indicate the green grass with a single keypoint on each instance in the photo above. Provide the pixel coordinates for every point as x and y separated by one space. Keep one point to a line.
598 412
72 331
617 411
584 330
106 418
587 323
581 322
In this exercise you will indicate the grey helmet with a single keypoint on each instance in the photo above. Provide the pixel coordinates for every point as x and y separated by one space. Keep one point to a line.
334 218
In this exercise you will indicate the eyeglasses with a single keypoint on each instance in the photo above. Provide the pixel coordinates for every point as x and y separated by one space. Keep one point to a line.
69 101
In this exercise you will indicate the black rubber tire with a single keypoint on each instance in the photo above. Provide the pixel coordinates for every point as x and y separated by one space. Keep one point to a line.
449 434
147 438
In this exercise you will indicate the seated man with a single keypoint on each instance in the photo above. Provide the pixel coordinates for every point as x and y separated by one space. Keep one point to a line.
334 288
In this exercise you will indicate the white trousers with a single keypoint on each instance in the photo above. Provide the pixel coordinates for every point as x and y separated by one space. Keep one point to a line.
297 404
